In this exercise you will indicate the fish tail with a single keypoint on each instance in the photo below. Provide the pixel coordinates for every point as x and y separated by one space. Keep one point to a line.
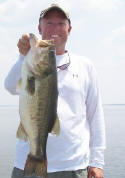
35 166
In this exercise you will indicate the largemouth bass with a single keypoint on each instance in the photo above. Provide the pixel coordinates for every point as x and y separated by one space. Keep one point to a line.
38 103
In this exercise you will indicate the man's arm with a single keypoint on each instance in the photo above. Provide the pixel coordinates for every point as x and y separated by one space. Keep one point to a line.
13 76
95 117
15 73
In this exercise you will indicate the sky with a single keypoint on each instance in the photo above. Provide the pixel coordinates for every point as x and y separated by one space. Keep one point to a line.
98 32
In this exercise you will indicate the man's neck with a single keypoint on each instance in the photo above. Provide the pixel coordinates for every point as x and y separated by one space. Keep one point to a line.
60 52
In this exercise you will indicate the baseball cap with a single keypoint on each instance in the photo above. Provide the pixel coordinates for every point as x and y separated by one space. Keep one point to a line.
55 7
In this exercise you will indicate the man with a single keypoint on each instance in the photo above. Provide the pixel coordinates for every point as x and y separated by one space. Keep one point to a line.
81 142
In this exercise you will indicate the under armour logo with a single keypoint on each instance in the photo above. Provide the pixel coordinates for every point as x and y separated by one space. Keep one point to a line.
75 75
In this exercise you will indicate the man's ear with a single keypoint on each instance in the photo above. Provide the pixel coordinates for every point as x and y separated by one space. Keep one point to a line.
39 28
70 28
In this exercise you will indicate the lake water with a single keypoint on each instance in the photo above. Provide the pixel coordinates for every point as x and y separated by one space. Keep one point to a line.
115 131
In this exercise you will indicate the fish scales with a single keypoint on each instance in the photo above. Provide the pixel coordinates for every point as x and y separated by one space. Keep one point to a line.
38 104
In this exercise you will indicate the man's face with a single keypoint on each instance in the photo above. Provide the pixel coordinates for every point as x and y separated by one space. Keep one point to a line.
55 26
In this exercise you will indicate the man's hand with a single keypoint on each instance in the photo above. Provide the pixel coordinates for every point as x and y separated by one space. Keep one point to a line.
24 44
95 172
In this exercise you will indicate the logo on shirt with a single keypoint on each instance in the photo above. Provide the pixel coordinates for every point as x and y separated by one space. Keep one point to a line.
75 75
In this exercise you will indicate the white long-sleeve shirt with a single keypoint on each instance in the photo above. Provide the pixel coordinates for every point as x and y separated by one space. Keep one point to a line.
81 142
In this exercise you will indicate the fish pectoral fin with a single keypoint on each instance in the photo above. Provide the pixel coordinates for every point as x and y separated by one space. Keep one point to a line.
56 127
21 133
18 87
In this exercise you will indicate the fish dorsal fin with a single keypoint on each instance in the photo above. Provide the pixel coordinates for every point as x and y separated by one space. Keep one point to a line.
21 134
18 87
56 127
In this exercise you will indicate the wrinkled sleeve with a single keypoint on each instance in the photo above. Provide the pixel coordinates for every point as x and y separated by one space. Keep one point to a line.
96 121
13 76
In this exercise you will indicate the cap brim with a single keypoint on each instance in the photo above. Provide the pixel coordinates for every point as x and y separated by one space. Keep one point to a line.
55 8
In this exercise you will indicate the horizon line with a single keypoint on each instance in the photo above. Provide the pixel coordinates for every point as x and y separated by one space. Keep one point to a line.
15 105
